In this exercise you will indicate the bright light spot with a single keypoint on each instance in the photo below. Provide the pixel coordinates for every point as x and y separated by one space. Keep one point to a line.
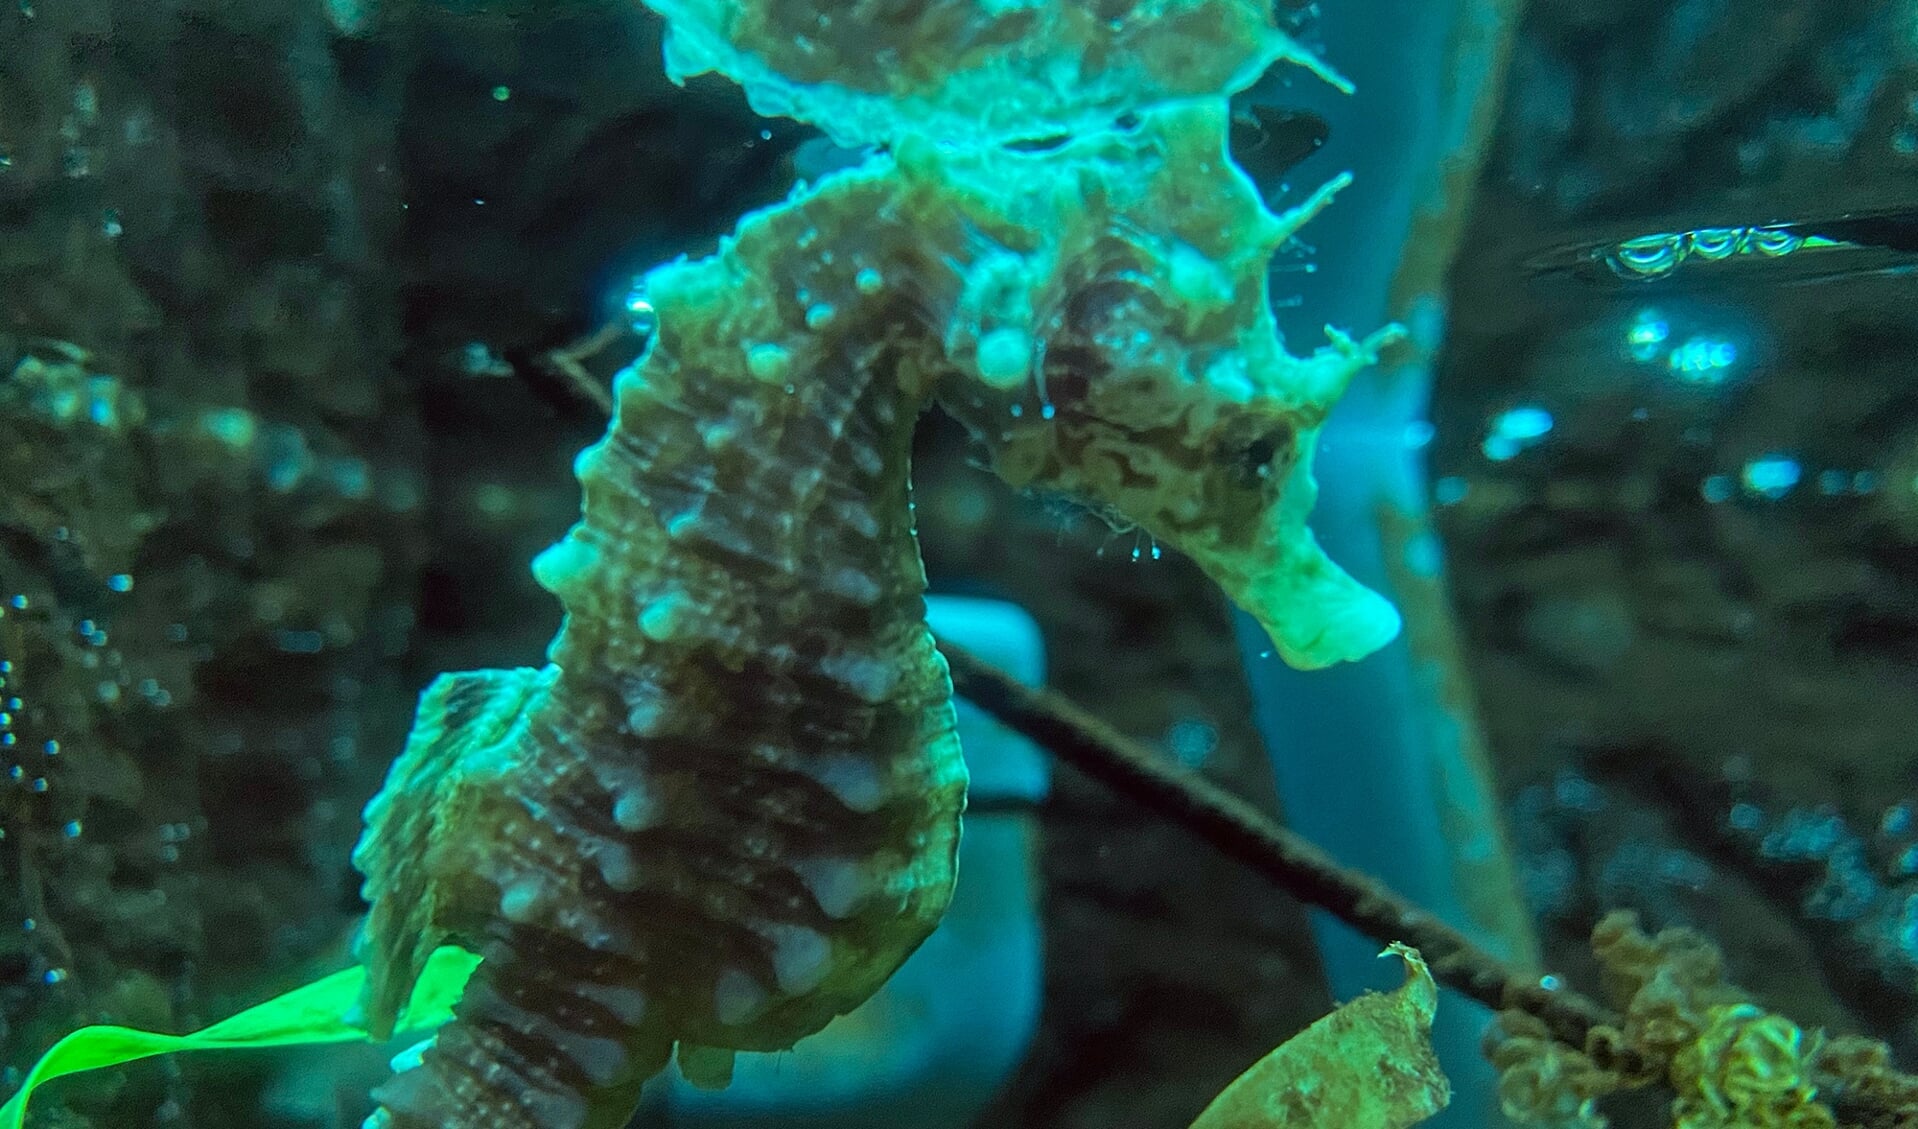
235 427
639 310
1515 430
1524 423
1772 475
1703 360
1648 331
1499 448
502 92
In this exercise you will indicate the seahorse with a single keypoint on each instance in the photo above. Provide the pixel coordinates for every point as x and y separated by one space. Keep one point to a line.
727 807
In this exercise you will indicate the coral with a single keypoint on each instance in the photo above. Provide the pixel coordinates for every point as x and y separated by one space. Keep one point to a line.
1541 1081
1729 1063
1746 1067
1863 1084
727 809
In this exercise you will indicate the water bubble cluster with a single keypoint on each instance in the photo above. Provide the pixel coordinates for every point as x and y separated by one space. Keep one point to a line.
1701 357
1650 257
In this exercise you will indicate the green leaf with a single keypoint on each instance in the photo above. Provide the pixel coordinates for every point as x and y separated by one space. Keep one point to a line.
1368 1065
321 1012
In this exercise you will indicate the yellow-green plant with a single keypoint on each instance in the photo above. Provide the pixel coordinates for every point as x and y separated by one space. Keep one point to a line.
1728 1063
324 1011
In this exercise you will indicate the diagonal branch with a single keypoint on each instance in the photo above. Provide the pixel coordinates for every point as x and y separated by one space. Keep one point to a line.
1290 861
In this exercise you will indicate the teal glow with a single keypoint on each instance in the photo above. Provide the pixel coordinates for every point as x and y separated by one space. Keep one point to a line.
1773 476
1515 430
1648 332
1703 360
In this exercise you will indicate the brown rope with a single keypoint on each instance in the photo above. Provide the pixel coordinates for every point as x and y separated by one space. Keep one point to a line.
1290 861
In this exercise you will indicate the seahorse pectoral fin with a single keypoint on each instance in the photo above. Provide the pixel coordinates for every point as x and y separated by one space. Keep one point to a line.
413 819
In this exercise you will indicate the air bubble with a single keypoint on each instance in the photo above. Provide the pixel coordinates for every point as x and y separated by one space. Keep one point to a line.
1647 257
1715 243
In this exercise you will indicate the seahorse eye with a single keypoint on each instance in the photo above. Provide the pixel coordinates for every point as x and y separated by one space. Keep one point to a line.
1253 462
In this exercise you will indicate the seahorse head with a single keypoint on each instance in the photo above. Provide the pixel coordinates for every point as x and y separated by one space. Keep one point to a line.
1087 256
1112 338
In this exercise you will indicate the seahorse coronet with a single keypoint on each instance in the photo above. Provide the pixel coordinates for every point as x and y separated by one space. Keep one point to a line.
728 807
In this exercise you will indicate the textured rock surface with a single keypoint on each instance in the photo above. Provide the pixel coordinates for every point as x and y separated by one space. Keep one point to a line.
1690 597
209 499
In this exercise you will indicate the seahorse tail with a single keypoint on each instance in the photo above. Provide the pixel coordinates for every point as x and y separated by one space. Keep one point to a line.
549 1035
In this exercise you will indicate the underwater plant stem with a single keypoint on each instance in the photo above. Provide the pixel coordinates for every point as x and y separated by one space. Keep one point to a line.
569 364
1292 862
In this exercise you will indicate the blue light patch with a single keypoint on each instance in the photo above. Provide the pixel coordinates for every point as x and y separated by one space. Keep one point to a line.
1703 360
1771 475
640 313
1647 334
1514 430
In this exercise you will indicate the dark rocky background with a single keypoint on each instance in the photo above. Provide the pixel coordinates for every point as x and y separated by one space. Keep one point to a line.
279 283
1693 604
